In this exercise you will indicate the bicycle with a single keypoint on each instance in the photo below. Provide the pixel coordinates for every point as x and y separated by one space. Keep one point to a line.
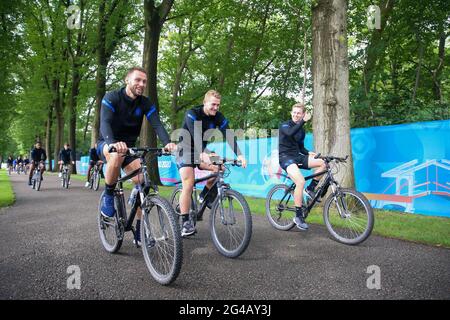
347 213
36 179
65 176
160 234
95 177
231 229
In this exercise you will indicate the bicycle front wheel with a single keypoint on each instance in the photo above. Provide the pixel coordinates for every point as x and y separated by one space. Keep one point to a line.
175 203
280 208
108 230
96 181
38 182
348 216
231 224
161 240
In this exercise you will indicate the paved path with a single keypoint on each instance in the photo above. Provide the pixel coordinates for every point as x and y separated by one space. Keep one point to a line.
46 232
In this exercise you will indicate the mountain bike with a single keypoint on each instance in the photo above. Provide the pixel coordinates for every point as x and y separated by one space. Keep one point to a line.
160 234
230 219
95 177
65 176
347 213
36 178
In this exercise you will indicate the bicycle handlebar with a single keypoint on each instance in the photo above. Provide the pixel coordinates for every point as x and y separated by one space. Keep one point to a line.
330 158
143 150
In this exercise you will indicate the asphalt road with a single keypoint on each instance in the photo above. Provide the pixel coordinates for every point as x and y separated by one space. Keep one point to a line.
45 232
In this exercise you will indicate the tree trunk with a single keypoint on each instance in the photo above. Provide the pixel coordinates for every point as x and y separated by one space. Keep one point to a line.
154 20
76 78
48 137
100 78
376 48
59 122
331 122
437 92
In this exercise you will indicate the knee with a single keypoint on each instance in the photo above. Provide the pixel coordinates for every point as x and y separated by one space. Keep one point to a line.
188 184
300 182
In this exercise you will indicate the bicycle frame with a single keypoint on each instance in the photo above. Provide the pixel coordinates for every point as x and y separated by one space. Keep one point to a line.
144 190
221 187
329 180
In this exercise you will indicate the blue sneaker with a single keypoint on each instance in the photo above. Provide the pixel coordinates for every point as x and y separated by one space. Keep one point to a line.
107 209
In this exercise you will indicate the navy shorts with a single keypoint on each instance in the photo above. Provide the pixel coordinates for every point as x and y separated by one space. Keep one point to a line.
186 159
126 161
301 160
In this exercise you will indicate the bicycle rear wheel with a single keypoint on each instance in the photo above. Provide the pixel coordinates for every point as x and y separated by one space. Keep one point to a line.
280 208
161 240
231 232
108 229
348 216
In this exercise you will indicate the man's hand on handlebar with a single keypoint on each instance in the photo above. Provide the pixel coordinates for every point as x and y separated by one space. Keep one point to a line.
121 147
170 147
243 161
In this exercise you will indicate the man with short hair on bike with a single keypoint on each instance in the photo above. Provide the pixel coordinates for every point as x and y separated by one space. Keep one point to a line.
194 154
38 157
121 118
93 161
293 156
65 158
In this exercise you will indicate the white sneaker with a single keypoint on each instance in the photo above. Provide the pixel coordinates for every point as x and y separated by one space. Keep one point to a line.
86 185
60 174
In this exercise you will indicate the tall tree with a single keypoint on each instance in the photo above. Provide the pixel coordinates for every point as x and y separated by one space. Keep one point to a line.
331 121
154 16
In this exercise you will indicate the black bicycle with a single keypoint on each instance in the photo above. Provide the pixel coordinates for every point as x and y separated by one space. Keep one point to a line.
230 218
160 233
347 213
65 176
95 177
36 178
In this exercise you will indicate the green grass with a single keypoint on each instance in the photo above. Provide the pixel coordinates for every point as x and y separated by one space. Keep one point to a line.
391 224
7 197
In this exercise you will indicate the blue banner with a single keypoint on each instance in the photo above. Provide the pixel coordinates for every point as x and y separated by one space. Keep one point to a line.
401 167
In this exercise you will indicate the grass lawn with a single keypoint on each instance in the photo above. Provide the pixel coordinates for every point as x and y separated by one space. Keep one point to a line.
7 197
392 224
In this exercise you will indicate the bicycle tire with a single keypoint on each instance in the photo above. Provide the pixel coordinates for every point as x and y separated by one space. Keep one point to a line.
275 210
96 181
165 240
174 202
38 182
215 221
338 231
102 224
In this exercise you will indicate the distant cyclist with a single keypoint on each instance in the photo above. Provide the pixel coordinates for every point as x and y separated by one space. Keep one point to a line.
38 157
10 163
65 158
293 156
121 116
19 163
93 161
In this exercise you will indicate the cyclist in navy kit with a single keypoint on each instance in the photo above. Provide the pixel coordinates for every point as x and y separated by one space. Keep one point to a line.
293 156
191 155
65 158
93 160
38 157
121 117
